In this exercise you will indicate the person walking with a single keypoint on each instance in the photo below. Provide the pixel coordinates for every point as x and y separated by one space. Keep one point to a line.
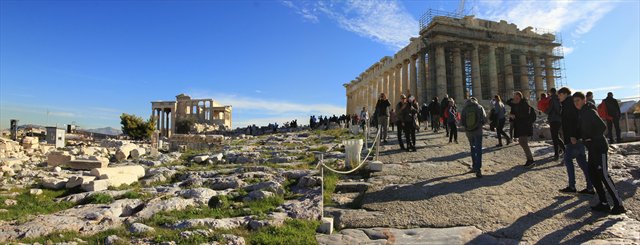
452 120
402 104
613 109
472 118
443 112
393 118
590 98
434 110
573 146
555 122
424 115
364 118
501 118
409 113
592 132
523 116
382 111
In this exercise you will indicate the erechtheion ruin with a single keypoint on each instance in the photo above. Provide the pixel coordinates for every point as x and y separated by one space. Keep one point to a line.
205 111
462 57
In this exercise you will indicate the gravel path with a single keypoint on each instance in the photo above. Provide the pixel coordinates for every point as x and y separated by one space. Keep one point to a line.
432 188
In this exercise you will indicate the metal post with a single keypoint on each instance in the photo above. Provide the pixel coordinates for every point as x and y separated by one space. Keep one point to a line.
377 143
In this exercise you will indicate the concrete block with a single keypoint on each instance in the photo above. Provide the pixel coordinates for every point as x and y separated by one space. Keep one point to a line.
375 166
326 226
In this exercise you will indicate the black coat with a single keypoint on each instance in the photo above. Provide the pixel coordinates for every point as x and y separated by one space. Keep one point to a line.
570 122
613 108
523 126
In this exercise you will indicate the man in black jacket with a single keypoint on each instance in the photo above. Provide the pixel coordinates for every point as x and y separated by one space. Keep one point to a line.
573 146
592 132
553 111
523 116
434 110
443 109
613 109
382 112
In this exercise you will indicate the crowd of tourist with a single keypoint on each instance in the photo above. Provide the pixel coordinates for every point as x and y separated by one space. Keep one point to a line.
577 129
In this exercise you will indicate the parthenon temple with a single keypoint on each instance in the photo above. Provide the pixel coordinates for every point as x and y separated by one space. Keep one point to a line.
462 57
205 111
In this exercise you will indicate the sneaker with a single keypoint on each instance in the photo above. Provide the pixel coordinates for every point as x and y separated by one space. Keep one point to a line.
587 192
479 174
618 210
568 190
529 164
601 207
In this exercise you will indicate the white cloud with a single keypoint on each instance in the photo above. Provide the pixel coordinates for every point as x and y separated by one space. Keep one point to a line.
575 17
304 11
386 22
567 50
250 110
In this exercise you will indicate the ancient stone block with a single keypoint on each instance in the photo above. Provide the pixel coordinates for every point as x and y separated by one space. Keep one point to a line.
137 153
76 181
57 158
88 164
96 185
135 170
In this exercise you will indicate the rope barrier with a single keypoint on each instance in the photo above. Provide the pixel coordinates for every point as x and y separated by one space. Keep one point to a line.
321 162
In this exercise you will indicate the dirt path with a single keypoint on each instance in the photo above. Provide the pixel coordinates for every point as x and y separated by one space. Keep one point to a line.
432 188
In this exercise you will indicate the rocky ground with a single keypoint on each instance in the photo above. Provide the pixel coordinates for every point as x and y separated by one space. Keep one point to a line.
266 190
250 190
510 204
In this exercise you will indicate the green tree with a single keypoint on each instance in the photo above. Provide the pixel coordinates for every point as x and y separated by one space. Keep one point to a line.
183 125
136 128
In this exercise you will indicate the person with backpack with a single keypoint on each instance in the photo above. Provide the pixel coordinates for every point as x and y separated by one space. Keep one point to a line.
472 118
382 111
400 107
524 116
592 133
500 115
555 122
613 110
573 145
452 120
443 113
434 110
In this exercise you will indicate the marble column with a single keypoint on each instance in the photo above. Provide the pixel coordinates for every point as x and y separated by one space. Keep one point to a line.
405 78
550 77
537 76
422 77
413 81
524 76
398 81
493 72
441 72
458 89
476 82
390 91
162 123
508 73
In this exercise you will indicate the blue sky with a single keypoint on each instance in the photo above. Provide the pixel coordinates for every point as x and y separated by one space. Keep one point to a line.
87 62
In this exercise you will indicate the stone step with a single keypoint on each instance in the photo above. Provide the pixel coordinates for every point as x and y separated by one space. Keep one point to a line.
348 187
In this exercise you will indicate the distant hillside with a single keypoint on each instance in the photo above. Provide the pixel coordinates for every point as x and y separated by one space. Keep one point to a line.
107 130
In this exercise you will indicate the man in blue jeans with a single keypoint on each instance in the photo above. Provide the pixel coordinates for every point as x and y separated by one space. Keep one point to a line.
573 147
472 118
